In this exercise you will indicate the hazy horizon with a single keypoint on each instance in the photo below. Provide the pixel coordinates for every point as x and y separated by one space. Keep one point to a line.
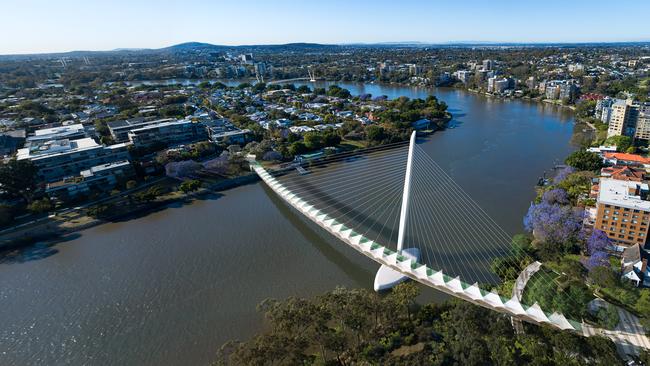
41 26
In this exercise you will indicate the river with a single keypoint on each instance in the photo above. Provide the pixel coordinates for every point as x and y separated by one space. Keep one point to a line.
171 287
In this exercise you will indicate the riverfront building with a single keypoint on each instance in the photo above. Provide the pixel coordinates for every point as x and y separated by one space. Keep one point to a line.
120 129
98 178
168 132
70 132
58 159
628 118
623 211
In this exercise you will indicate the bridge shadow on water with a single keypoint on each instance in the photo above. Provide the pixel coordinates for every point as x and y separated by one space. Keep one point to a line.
306 228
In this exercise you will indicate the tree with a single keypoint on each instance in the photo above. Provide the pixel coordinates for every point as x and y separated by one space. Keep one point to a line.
404 294
585 108
584 160
303 89
622 143
375 133
556 196
556 228
18 179
313 140
643 303
41 206
563 174
297 148
182 169
598 242
149 195
190 186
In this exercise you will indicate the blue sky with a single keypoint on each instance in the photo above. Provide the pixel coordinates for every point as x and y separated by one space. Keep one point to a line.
29 26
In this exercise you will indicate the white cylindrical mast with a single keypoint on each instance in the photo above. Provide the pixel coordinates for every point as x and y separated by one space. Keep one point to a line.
405 196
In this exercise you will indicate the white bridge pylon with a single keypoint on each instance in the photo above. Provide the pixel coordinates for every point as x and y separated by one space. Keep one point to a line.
405 265
387 278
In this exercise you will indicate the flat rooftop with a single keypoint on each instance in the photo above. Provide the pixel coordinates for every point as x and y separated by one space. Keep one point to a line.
62 129
53 147
617 192
135 123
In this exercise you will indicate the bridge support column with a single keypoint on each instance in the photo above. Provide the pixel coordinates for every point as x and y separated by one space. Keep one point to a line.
387 277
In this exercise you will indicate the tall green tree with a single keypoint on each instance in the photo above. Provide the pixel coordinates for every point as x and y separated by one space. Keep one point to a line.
584 160
18 179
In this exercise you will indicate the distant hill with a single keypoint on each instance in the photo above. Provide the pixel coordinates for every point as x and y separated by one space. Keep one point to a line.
189 47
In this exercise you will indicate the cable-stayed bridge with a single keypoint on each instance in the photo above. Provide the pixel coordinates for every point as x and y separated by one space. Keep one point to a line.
443 239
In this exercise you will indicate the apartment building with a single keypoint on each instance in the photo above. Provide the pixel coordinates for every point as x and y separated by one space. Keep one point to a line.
623 211
70 132
58 159
98 178
168 132
120 129
629 119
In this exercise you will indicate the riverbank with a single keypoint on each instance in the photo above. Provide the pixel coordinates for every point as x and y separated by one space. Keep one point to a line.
57 226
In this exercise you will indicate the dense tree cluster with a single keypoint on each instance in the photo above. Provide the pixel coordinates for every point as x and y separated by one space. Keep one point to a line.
348 327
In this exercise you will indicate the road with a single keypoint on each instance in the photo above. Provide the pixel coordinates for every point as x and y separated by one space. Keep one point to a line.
629 335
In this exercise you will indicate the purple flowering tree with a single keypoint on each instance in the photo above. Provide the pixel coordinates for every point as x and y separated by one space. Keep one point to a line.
182 169
219 165
553 223
563 174
598 259
597 245
556 196
597 242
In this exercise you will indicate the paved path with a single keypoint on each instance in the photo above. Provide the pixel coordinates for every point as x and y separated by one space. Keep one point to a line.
629 335
518 290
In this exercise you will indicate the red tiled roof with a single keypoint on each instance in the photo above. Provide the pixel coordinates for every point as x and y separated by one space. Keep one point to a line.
628 157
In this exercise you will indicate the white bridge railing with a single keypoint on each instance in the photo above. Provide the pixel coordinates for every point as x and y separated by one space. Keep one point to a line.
417 271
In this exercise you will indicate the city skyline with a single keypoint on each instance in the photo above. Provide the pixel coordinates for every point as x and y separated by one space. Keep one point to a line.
148 24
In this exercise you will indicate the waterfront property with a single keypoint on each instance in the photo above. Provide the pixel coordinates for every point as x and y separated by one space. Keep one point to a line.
100 178
167 132
623 211
120 129
58 159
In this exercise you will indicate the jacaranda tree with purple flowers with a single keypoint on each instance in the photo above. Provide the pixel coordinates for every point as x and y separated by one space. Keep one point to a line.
598 259
597 245
182 169
563 174
554 227
556 196
597 242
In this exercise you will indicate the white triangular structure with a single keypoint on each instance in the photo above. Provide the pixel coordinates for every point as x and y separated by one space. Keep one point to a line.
536 312
421 271
438 278
493 299
474 292
514 306
560 321
455 285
